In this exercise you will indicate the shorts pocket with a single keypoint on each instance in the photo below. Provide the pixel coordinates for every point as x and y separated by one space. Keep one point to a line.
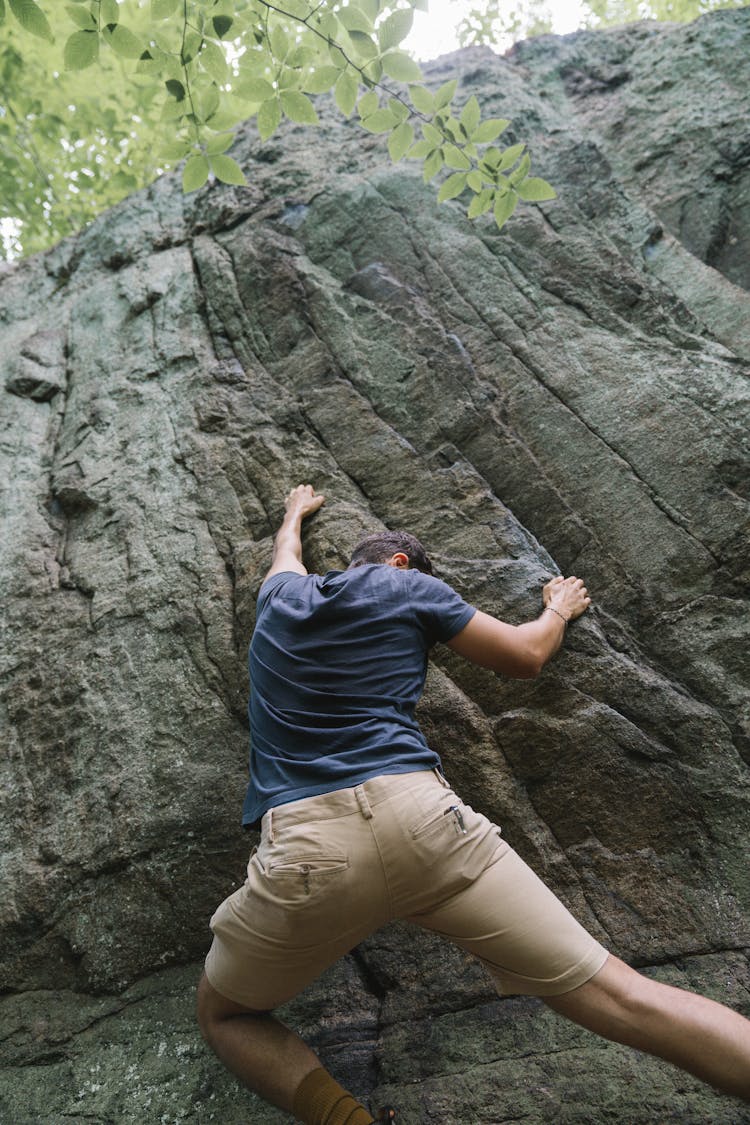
308 871
450 817
455 840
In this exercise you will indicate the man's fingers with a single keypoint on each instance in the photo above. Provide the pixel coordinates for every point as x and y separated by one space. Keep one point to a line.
303 497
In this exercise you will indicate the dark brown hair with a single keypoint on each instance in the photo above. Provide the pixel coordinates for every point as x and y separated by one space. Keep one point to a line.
378 548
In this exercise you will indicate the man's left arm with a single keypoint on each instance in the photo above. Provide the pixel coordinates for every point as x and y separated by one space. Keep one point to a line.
287 545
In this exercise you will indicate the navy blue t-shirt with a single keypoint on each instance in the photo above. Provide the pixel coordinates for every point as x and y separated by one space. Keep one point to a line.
337 664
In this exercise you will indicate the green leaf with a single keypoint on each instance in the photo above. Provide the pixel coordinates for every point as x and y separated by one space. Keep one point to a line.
82 17
301 56
431 134
368 103
354 19
2 11
191 45
195 172
489 130
221 25
509 157
454 158
470 115
209 102
171 109
474 180
298 9
328 25
124 43
505 205
175 89
363 45
372 71
279 42
345 93
219 143
109 12
521 171
337 56
32 18
227 170
395 29
401 66
321 79
298 107
422 99
453 127
399 141
174 150
398 107
445 94
81 50
452 187
371 8
162 10
258 60
212 58
381 121
492 158
269 116
227 115
481 203
253 89
420 150
535 190
289 79
432 165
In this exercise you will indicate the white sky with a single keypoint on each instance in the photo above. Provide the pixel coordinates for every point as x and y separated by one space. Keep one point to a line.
434 32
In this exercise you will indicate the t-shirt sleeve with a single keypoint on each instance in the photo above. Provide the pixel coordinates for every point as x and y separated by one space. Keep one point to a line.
280 578
440 611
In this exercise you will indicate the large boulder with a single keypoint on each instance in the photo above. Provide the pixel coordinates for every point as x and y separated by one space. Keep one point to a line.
569 394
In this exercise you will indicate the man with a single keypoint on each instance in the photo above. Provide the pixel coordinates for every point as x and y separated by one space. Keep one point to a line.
359 827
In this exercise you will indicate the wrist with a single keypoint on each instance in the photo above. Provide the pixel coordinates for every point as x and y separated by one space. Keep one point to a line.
563 616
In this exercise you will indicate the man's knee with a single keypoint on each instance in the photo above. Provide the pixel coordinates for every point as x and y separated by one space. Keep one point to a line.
615 1003
212 1008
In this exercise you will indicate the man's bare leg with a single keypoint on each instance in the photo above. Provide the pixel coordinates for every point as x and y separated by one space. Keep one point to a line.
273 1061
693 1032
266 1056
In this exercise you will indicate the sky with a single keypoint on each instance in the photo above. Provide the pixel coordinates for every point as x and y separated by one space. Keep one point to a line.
434 32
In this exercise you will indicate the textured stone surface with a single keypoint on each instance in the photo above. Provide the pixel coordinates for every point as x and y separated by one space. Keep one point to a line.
569 394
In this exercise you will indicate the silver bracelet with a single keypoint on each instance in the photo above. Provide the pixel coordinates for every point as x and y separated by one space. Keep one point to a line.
562 616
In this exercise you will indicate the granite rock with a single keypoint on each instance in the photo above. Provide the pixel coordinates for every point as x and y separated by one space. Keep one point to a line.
567 395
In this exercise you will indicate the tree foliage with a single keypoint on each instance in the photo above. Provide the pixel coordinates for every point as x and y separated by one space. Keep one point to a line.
99 96
500 22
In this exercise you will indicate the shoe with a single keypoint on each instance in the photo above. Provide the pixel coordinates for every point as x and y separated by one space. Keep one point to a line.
386 1113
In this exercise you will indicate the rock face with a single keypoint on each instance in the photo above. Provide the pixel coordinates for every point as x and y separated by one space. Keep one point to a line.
567 395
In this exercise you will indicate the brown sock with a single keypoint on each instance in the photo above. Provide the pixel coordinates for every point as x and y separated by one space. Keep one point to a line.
319 1100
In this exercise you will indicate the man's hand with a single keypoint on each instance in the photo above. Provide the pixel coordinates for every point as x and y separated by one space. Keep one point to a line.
287 546
567 596
303 501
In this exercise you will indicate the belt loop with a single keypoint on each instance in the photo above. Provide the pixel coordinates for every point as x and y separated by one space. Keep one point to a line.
364 804
441 778
269 814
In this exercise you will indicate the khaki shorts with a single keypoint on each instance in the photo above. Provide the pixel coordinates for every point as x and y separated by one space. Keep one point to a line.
331 869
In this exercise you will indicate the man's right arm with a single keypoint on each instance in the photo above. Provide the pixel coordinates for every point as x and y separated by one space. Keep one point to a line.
521 651
301 502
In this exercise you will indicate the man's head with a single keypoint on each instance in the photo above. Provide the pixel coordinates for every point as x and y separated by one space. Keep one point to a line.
397 548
